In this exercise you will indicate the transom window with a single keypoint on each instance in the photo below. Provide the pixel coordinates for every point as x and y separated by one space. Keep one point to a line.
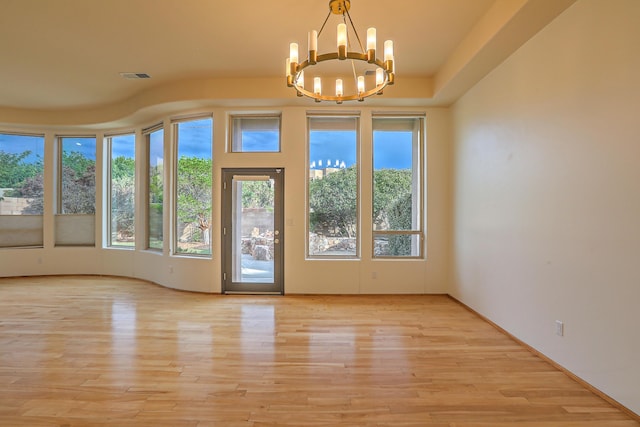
255 133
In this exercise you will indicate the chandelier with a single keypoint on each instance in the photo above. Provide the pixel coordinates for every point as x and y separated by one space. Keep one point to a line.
361 88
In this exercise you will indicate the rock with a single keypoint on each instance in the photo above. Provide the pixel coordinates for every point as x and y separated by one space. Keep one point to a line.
261 253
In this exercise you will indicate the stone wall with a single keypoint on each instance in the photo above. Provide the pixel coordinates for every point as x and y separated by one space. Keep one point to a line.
319 244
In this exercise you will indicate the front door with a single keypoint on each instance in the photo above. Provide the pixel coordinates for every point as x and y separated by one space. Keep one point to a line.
252 232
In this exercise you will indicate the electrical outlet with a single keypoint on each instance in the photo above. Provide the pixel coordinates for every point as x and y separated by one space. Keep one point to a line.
559 328
171 269
374 274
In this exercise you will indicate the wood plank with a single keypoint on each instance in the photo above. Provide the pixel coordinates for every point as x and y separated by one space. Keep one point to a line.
94 351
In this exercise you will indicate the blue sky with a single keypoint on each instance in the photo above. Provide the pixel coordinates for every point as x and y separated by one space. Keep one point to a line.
194 138
123 145
85 146
391 149
260 141
16 144
332 146
156 149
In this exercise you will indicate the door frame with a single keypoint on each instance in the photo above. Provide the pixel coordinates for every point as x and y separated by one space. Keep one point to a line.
226 214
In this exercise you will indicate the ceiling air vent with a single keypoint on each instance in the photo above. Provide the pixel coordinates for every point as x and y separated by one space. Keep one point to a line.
135 75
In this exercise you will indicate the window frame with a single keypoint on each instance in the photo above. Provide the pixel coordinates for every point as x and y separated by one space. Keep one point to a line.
175 141
147 139
233 130
345 116
63 220
108 145
12 226
418 230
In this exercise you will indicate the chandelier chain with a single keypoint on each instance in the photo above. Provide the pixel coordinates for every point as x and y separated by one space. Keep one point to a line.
324 23
354 29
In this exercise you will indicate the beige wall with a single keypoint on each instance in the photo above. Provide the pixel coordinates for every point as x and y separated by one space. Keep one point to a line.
538 213
546 195
301 275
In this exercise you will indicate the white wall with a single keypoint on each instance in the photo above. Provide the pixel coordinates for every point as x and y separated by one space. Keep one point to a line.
546 195
301 275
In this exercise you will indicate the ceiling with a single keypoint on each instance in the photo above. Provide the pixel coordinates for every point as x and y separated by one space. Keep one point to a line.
60 61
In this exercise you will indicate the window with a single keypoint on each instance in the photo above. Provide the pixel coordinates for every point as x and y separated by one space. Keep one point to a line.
194 142
333 186
255 133
397 178
122 168
76 201
21 190
154 139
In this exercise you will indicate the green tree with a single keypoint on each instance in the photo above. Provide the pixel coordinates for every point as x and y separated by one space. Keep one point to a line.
390 186
79 190
122 167
122 207
77 162
24 178
14 170
78 183
399 216
194 193
33 188
156 185
123 171
333 202
257 194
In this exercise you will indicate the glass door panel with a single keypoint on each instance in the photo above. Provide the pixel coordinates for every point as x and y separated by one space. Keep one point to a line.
252 231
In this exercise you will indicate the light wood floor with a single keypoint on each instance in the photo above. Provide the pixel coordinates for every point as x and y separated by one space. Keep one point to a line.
91 351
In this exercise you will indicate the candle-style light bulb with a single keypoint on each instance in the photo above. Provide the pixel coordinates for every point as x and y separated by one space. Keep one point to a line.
388 58
300 82
313 40
342 41
287 65
371 38
371 45
339 90
360 84
388 50
342 35
313 46
293 52
379 76
293 58
317 86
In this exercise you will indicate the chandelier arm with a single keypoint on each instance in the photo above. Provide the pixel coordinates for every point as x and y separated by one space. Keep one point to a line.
355 75
354 29
377 90
324 23
334 55
339 99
